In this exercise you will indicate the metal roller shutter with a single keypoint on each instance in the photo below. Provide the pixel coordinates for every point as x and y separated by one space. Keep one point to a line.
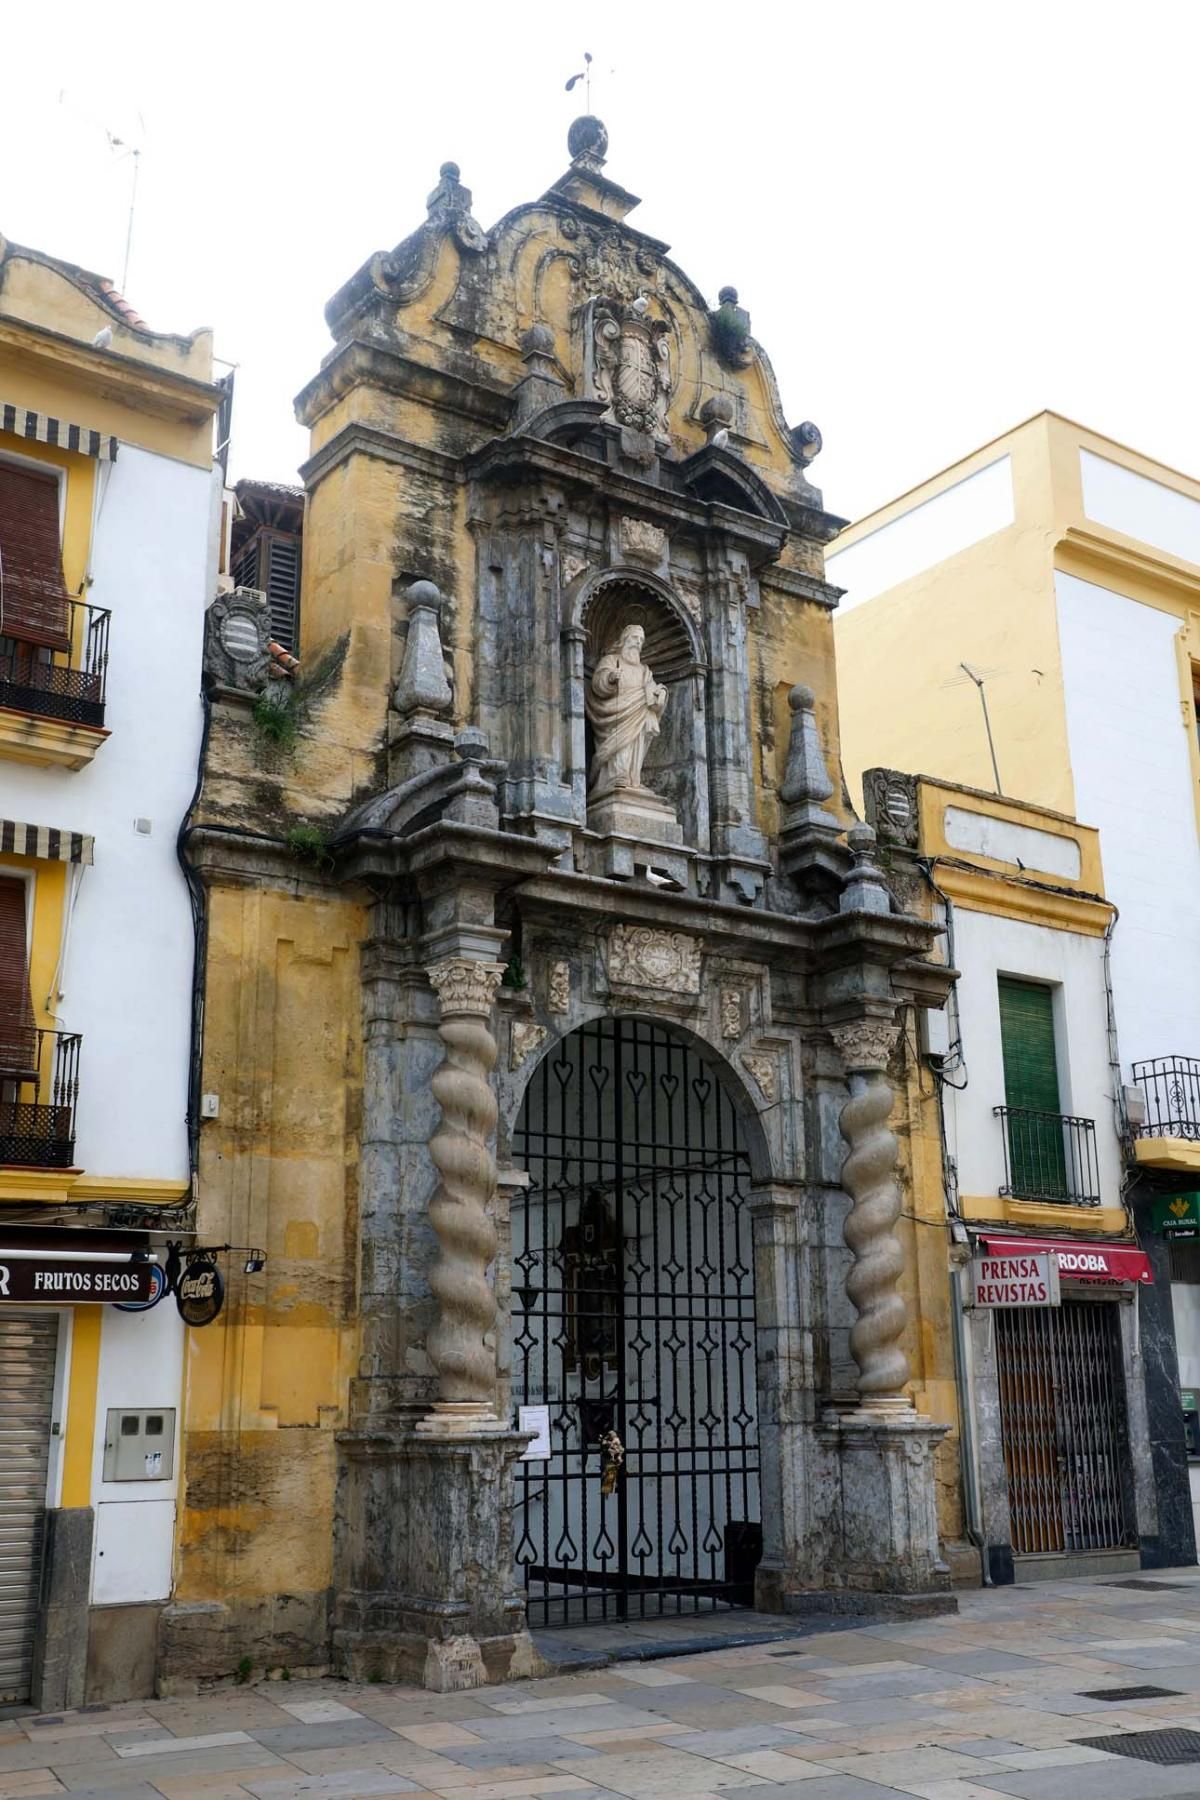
28 1348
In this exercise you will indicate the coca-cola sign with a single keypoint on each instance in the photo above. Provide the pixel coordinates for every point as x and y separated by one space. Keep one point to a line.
200 1293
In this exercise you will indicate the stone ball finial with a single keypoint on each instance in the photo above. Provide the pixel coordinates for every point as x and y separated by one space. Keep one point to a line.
717 410
860 838
728 296
588 137
537 341
424 593
801 698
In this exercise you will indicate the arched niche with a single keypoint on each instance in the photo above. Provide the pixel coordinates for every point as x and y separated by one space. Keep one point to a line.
676 766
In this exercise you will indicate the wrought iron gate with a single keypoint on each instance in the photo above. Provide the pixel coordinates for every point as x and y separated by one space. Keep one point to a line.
633 1315
1063 1422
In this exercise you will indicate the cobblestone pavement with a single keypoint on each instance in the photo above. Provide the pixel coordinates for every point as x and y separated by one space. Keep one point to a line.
993 1701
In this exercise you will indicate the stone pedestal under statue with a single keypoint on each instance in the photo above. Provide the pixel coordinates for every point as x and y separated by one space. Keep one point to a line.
635 813
429 1593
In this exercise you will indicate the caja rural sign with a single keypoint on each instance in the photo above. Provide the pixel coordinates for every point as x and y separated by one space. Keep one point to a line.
1015 1280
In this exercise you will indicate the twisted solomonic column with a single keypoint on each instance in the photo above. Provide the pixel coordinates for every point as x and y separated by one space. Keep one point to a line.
466 1168
869 1177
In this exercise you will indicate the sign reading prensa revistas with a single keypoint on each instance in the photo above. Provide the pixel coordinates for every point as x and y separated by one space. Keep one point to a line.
1016 1280
30 1278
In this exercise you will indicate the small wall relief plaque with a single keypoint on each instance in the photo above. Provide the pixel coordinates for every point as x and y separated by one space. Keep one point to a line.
639 956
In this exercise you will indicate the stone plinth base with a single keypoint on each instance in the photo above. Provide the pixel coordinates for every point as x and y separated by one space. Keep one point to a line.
879 1503
426 1588
634 813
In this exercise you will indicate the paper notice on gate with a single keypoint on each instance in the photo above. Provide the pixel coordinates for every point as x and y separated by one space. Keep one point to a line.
537 1420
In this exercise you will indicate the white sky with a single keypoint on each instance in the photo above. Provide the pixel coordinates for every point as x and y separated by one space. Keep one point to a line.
941 217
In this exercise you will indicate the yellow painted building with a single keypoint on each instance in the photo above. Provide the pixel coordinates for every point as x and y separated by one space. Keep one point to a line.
106 517
1039 601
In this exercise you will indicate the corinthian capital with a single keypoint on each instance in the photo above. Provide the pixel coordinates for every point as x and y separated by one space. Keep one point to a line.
463 985
865 1044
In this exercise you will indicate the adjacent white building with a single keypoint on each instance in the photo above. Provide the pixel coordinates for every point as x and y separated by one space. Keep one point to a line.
1027 622
109 517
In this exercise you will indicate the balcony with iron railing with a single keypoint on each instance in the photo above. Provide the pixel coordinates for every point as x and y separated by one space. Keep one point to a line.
68 684
38 1094
1049 1157
1165 1127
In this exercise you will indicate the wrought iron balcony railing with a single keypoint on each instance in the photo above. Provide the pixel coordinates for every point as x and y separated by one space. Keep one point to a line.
1171 1085
1049 1156
37 1101
67 685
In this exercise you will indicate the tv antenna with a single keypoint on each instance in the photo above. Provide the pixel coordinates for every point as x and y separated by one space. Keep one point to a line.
134 152
978 679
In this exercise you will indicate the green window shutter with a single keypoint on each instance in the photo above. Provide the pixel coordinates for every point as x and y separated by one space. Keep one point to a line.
1036 1146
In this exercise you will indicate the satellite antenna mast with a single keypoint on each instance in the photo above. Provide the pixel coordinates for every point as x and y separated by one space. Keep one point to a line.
116 143
987 723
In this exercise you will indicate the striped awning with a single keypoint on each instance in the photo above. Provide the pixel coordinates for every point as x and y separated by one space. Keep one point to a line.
44 841
40 428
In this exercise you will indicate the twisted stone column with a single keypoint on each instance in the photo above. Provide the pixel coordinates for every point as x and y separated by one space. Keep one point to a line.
869 1177
467 1241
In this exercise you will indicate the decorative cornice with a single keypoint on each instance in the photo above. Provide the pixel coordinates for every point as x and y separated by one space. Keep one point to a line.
463 985
865 1045
356 439
1006 896
1103 554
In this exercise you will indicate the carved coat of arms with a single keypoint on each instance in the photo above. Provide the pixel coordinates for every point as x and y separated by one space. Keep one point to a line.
629 365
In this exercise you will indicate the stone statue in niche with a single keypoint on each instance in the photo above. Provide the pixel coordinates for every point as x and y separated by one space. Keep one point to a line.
625 707
630 365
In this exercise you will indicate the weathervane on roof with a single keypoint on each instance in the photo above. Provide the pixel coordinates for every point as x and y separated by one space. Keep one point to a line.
584 75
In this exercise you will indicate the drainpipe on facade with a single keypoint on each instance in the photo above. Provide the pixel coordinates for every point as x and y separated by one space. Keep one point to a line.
966 1433
198 900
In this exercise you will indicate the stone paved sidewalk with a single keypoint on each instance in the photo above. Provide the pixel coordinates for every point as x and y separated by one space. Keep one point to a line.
958 1708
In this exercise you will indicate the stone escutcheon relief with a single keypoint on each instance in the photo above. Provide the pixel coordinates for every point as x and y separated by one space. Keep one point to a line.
630 365
639 956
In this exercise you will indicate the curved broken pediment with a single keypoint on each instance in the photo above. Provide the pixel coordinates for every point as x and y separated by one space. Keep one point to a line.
718 475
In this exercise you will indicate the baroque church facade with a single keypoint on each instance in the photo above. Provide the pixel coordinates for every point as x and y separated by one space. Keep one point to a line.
555 1003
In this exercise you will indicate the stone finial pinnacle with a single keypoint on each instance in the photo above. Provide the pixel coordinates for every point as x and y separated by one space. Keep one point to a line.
422 687
587 141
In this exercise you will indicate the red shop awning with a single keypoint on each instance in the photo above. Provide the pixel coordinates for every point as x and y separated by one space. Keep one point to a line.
1078 1261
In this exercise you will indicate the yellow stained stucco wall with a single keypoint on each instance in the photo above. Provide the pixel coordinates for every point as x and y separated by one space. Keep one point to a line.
906 701
267 1383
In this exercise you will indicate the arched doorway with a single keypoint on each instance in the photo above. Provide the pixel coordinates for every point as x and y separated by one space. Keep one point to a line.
633 1314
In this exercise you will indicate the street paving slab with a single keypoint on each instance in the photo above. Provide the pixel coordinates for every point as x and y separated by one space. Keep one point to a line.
995 1700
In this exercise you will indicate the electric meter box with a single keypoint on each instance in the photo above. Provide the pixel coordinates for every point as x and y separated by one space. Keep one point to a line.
139 1446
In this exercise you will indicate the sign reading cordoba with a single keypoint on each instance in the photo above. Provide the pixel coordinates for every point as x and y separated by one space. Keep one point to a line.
29 1278
1015 1280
